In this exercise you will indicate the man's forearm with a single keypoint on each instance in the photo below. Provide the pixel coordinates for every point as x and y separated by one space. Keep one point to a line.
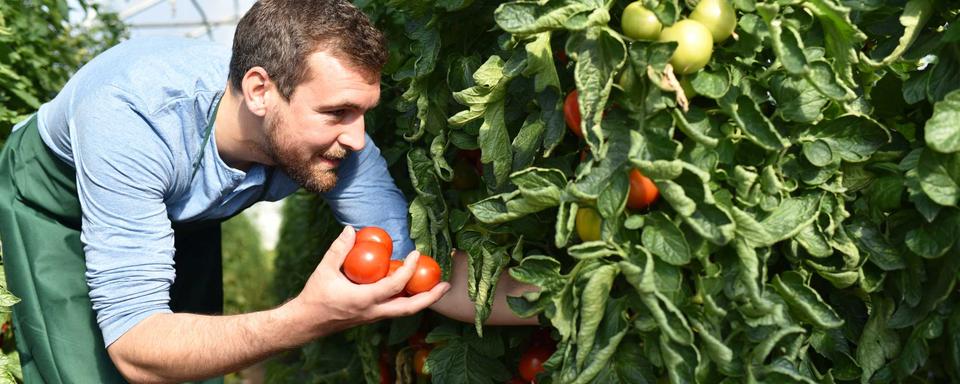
182 347
456 303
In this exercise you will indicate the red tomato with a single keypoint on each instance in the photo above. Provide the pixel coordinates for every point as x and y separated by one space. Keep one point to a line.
425 277
643 191
366 263
375 235
418 339
419 358
571 113
531 362
394 264
562 57
386 374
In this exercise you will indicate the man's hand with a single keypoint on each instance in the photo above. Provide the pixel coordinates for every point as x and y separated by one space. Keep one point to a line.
178 347
330 302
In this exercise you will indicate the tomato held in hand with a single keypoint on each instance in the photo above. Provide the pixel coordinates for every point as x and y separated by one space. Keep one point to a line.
375 235
640 23
571 113
643 191
394 265
588 224
425 276
694 45
419 359
366 263
531 362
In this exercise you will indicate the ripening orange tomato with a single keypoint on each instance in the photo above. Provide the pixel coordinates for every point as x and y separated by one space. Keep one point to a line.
643 191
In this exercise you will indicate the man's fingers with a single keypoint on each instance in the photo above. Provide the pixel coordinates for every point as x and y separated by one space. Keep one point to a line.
406 306
339 249
391 285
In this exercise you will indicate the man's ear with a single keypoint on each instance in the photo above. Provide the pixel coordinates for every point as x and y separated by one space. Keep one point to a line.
257 87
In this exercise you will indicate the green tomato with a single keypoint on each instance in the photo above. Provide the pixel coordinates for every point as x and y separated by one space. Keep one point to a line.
588 224
694 45
640 23
718 16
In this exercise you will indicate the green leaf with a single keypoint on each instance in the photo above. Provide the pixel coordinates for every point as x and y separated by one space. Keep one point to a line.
877 343
791 216
843 38
805 302
529 17
818 153
932 240
786 40
940 177
695 124
711 84
592 304
915 15
747 115
540 63
854 138
600 55
464 360
750 229
878 248
664 239
822 76
797 99
713 223
940 132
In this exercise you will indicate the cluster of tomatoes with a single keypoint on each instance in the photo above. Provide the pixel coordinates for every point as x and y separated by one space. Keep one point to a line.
712 21
369 261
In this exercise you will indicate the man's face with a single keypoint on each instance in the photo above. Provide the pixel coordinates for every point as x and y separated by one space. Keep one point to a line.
322 122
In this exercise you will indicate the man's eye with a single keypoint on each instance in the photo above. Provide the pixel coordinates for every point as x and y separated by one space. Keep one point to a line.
337 113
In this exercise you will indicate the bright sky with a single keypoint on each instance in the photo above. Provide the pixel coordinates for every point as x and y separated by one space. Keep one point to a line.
179 17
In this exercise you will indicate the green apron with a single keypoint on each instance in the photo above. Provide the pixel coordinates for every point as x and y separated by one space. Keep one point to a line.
56 331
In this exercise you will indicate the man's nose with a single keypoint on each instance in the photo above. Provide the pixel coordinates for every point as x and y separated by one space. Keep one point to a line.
353 136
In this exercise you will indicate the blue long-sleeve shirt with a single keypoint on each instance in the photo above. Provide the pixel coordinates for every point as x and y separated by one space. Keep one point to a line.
131 122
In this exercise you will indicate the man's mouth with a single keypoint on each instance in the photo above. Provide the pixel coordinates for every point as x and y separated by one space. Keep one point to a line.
329 162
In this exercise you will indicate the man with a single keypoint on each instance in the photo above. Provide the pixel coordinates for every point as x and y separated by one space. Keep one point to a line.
112 194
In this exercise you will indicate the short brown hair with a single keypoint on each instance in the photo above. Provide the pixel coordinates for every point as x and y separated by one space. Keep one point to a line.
278 35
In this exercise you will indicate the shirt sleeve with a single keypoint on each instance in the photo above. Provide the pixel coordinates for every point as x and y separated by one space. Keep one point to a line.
124 171
366 195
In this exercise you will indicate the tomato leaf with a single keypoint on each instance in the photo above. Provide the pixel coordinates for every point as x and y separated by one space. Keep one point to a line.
805 302
941 133
664 239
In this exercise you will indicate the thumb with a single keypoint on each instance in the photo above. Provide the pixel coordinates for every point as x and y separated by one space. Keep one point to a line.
339 249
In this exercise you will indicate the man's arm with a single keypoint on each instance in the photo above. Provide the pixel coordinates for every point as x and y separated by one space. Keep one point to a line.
456 303
177 347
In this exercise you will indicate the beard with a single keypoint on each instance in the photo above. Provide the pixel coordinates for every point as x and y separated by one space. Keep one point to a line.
301 165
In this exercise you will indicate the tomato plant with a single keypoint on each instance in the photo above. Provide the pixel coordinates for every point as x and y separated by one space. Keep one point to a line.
366 263
807 197
718 16
425 277
640 23
643 191
694 45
